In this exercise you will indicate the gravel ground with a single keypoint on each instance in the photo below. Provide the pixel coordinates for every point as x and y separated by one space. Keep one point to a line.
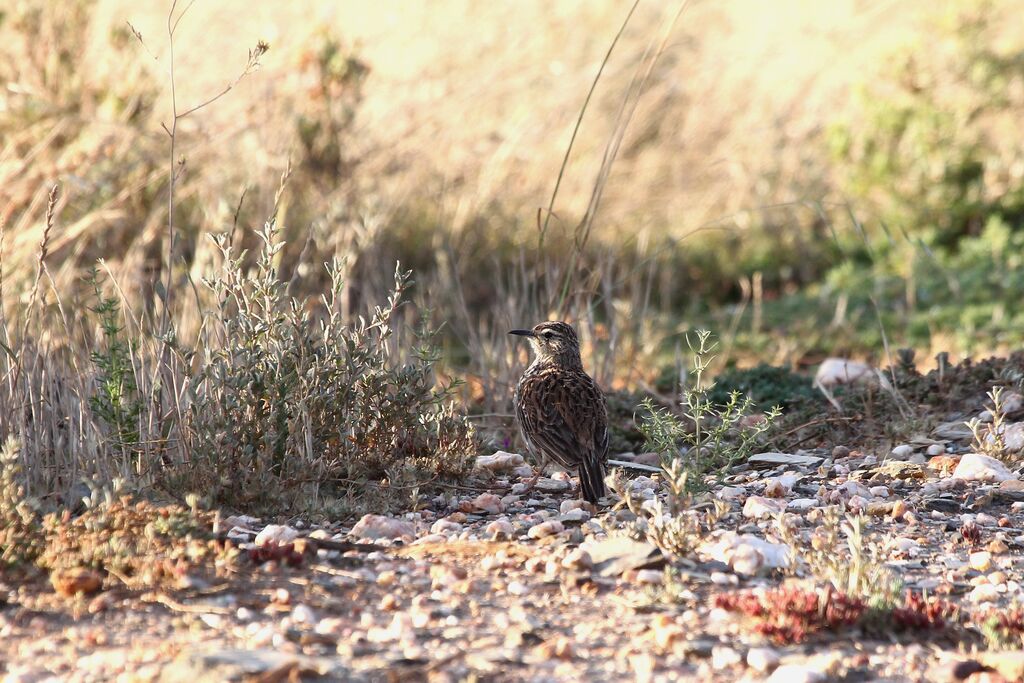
510 584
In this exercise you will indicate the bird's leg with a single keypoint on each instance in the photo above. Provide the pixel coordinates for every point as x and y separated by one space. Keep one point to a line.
539 470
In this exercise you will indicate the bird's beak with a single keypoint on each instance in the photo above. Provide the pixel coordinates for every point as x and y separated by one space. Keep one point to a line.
523 333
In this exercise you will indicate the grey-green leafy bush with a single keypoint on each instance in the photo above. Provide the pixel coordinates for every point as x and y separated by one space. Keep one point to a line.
710 436
115 399
293 397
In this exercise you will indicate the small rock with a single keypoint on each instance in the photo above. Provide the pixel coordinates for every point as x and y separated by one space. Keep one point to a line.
802 503
985 592
517 588
840 452
550 485
445 526
879 491
758 507
303 614
903 451
978 467
557 648
651 577
500 527
773 459
277 534
70 582
578 558
380 526
730 492
936 449
981 560
835 371
944 463
499 462
544 529
724 657
487 502
762 659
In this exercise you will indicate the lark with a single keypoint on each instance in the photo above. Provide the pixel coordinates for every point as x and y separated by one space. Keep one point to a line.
560 409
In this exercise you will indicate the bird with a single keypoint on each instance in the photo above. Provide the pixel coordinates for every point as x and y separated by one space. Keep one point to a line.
561 410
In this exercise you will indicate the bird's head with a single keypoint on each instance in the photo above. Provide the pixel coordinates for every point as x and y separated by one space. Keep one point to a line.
553 341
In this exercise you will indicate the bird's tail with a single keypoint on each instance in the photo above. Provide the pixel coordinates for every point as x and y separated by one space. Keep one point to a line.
592 478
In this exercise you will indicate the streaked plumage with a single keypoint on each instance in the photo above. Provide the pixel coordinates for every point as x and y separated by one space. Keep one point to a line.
560 409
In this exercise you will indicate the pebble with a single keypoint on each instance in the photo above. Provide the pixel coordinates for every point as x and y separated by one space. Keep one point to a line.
499 527
762 659
795 673
578 558
978 467
936 449
724 657
758 507
981 560
801 503
903 451
879 491
445 526
501 461
650 576
303 614
985 592
487 502
374 527
544 529
277 534
730 492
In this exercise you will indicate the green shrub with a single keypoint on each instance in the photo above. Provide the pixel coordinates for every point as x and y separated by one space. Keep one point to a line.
709 436
287 401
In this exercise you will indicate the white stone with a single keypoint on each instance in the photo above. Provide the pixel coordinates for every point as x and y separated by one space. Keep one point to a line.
431 538
381 526
730 492
762 659
879 491
303 614
749 552
795 673
544 529
981 560
499 462
724 657
903 451
984 592
855 488
802 503
857 503
835 371
758 507
651 577
936 449
277 534
445 526
978 467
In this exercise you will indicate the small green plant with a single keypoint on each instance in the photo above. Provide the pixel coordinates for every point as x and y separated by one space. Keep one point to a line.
856 569
115 399
20 534
1003 629
714 435
988 436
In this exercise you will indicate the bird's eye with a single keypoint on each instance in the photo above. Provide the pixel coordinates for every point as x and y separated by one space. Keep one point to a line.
547 334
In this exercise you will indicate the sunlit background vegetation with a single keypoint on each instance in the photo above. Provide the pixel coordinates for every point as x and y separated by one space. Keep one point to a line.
804 179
